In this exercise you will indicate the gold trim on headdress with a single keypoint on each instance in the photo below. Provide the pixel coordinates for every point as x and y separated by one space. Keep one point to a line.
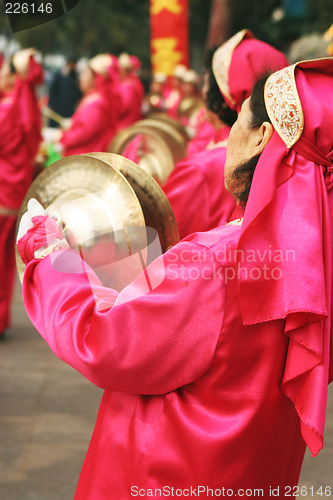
222 60
282 101
283 105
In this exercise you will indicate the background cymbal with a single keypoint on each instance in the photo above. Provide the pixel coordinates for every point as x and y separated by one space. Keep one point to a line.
147 147
156 208
169 132
174 123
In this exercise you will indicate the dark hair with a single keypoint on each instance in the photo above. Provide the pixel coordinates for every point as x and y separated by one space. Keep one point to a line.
244 173
257 101
12 68
216 103
214 100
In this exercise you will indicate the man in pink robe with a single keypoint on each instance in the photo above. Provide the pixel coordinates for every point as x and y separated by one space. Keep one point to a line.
20 124
173 92
204 134
195 188
215 379
93 124
130 94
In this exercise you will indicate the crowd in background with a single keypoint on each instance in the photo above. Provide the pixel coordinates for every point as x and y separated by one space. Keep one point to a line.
85 104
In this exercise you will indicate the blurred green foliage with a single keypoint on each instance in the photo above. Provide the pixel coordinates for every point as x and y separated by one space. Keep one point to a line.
257 16
123 25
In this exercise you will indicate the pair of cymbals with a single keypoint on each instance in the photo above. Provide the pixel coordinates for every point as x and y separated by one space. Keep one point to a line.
110 210
154 144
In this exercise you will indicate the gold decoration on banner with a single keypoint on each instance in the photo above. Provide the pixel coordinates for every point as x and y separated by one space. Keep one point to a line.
157 6
165 55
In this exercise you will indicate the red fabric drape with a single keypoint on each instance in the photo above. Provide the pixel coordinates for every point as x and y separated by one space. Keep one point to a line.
169 35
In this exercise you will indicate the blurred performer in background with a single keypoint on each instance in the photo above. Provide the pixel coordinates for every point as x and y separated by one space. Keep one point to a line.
64 92
173 91
154 100
191 104
93 124
205 130
217 378
191 84
195 188
130 93
20 125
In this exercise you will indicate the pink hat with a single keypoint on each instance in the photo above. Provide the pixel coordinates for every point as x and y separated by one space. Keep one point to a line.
238 63
287 230
136 63
106 71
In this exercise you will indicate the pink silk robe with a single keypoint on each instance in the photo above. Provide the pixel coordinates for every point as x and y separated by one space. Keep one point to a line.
7 268
18 144
205 133
192 397
130 95
92 128
196 192
16 159
172 99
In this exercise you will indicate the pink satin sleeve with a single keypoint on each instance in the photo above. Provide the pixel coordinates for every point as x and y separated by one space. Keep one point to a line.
136 341
88 123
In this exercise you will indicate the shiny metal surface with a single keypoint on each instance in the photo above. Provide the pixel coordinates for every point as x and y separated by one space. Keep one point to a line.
152 152
99 211
169 132
174 123
156 208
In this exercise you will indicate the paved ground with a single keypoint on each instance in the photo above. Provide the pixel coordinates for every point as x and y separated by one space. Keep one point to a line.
47 413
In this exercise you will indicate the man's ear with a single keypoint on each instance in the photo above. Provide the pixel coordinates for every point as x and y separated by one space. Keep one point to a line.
264 135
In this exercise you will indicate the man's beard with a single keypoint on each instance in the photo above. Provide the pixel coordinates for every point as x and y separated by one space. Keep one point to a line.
242 177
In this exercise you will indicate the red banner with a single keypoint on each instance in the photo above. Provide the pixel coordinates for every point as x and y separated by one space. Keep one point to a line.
169 35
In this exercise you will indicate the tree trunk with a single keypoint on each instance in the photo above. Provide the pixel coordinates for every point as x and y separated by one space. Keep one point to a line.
219 22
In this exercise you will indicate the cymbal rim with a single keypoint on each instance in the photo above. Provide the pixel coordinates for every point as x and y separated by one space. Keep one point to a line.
155 205
165 161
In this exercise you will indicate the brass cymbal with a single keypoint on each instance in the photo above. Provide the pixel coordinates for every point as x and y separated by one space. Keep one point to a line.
174 123
99 211
156 208
151 151
172 136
